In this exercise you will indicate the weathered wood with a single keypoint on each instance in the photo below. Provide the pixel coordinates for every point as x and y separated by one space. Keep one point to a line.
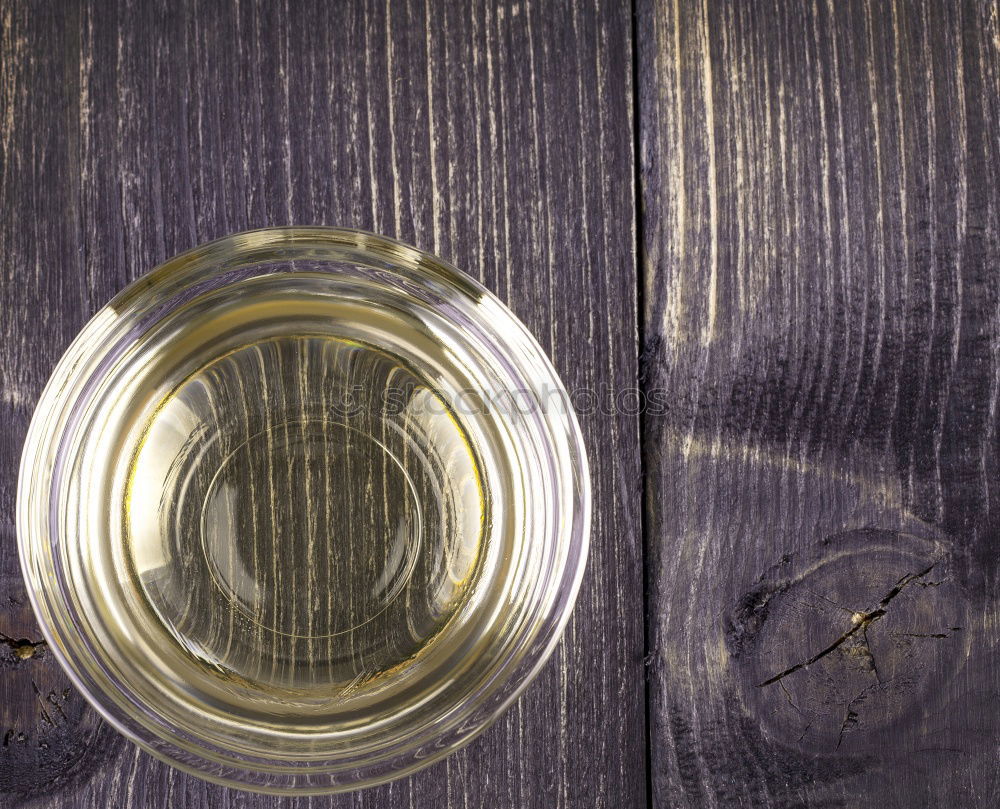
499 136
821 243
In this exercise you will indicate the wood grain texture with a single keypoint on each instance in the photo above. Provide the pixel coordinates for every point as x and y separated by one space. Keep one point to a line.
496 135
821 240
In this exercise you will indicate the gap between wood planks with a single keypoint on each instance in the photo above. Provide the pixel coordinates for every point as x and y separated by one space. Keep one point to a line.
639 254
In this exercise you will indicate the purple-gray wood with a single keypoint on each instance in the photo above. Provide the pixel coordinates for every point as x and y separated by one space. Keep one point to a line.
499 136
821 245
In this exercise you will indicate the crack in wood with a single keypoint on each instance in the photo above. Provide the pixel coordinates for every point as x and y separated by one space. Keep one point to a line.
851 716
41 701
22 648
861 623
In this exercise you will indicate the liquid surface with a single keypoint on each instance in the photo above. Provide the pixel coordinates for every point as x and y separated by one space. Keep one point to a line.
302 512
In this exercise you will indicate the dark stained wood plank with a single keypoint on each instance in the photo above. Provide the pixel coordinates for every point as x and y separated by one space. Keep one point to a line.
497 135
821 244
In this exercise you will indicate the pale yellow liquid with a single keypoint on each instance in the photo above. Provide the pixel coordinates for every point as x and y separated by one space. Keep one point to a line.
302 511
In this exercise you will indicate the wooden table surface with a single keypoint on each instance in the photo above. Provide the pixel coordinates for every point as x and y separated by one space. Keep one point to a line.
777 219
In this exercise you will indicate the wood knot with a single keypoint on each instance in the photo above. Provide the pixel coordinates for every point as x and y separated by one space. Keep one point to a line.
50 737
841 645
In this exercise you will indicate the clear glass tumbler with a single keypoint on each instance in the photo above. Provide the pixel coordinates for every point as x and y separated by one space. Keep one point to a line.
303 509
